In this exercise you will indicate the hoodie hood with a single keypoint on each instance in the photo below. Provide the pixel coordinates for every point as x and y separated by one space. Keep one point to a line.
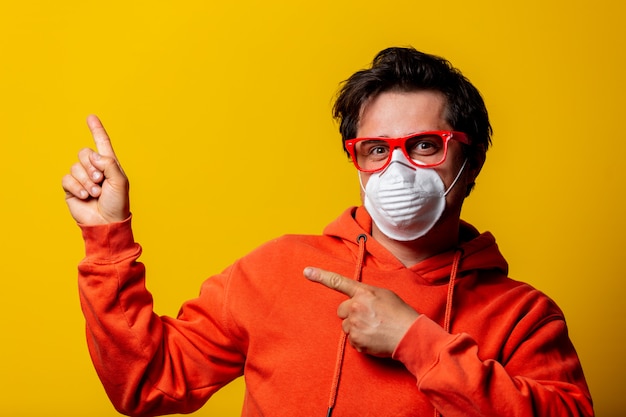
479 251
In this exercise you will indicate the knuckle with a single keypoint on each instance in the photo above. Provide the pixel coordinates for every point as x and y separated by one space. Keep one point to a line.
356 341
367 293
334 280
345 326
355 307
77 171
84 153
66 182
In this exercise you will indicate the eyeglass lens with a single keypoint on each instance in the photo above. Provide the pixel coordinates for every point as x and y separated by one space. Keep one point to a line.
422 149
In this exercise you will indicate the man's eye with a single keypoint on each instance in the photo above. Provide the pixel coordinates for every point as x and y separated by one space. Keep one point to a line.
378 150
373 149
424 146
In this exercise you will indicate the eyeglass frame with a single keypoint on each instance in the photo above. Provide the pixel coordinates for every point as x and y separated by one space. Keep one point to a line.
400 142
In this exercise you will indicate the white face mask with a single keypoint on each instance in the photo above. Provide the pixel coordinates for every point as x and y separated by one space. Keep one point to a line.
405 201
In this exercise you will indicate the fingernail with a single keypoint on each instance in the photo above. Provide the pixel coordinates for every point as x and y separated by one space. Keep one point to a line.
95 190
83 194
96 175
309 272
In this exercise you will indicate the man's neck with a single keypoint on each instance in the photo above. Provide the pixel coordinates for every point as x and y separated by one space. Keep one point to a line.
441 238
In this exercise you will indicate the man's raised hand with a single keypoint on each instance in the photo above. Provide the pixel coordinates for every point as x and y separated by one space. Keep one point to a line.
96 189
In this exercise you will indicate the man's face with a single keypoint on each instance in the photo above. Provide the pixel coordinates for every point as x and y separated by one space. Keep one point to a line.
395 114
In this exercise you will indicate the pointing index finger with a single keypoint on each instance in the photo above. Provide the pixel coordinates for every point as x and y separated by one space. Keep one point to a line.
332 280
100 136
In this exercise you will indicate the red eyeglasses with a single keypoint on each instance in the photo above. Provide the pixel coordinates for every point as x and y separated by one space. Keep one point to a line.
424 149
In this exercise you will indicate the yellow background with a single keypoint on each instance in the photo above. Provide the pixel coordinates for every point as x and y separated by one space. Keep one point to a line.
220 114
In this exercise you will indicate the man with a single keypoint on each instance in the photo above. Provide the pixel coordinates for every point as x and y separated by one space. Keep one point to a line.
427 324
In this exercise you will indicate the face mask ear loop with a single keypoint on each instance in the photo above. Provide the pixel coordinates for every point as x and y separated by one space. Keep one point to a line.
456 179
361 183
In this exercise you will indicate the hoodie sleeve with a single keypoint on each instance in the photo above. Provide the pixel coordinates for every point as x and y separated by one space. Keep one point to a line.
542 378
139 355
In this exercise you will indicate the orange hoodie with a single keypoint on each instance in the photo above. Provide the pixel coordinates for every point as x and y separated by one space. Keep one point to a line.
485 345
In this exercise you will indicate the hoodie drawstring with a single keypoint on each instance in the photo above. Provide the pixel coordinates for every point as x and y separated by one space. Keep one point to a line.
448 314
361 239
455 268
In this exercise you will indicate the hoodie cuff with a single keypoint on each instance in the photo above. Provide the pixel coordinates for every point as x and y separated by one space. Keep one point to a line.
420 348
108 242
